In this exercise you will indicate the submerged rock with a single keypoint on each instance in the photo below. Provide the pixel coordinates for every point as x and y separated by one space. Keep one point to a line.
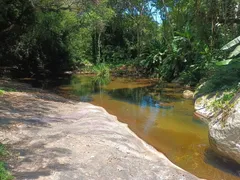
188 94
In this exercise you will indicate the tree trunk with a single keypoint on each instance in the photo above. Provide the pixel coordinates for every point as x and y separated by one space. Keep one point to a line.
94 47
99 48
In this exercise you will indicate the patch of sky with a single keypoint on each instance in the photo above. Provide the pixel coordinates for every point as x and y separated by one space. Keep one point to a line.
156 13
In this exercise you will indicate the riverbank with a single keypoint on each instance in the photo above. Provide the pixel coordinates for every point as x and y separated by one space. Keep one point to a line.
61 139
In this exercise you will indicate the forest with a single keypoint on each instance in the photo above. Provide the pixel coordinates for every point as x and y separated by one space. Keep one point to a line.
168 39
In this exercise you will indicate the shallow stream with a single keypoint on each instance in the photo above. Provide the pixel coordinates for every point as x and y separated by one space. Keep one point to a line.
158 114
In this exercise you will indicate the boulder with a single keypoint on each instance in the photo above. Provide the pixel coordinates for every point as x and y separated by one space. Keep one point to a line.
188 94
224 125
224 133
203 107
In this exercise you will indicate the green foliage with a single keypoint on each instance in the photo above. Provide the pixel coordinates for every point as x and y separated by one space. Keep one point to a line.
3 150
4 174
224 78
44 38
192 33
224 101
226 75
1 92
102 74
102 70
231 44
4 89
152 60
233 54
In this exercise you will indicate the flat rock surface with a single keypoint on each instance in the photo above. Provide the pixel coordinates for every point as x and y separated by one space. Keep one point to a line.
57 139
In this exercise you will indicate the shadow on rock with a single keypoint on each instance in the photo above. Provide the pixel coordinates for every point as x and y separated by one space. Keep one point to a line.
40 161
222 163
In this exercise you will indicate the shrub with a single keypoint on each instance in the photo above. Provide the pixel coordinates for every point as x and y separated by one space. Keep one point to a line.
102 70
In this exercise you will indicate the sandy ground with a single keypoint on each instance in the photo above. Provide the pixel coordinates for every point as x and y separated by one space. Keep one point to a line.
58 139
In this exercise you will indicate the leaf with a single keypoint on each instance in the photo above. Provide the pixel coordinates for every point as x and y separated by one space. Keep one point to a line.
178 38
235 52
224 62
232 43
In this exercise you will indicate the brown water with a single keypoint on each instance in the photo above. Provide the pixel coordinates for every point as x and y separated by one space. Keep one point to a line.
159 115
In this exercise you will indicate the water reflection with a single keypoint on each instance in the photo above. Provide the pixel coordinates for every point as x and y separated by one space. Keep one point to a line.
85 87
151 119
141 97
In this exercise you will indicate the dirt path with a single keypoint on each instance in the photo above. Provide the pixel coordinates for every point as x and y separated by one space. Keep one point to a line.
59 139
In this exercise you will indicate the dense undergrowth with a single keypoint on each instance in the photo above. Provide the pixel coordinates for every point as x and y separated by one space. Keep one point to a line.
224 78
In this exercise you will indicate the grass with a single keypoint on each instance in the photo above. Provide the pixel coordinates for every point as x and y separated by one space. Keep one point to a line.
4 90
3 151
1 91
224 101
102 70
4 173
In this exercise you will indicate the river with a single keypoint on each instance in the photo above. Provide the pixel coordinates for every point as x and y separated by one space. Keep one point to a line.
158 114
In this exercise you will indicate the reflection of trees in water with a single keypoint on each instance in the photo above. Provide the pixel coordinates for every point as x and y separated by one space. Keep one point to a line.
155 108
151 118
139 96
148 103
128 95
84 87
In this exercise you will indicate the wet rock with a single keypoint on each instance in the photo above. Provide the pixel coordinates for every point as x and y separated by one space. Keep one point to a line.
203 107
188 94
68 72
